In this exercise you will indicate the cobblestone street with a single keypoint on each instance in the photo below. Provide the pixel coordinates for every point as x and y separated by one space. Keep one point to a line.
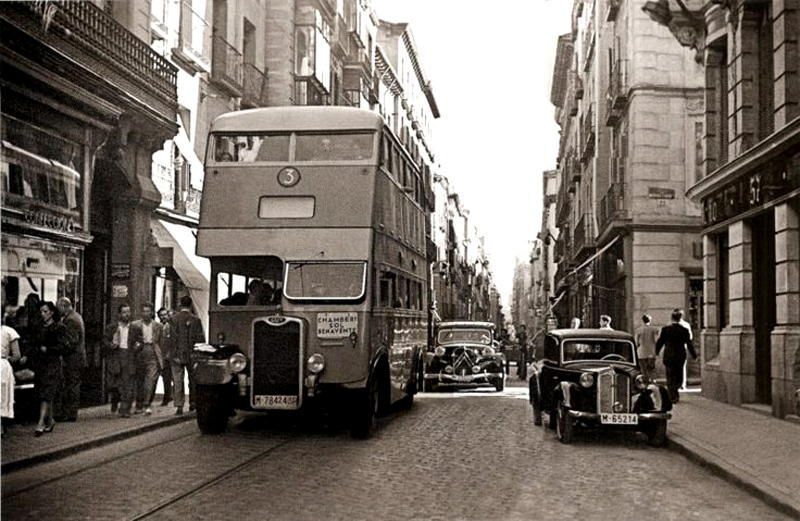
465 455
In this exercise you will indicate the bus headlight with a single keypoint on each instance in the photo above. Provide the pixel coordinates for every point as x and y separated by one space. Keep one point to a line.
439 351
237 362
587 379
315 363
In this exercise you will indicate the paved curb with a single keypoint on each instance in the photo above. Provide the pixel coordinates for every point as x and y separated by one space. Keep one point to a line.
97 441
738 476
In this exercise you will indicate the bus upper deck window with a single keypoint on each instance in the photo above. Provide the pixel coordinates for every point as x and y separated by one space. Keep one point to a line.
335 147
248 148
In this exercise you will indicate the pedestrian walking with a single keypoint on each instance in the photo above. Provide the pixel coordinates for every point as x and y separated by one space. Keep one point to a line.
688 327
187 330
166 368
9 348
149 358
605 322
646 335
120 343
522 362
675 340
51 344
73 363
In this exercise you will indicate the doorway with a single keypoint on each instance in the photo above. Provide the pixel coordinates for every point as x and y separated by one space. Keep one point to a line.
763 257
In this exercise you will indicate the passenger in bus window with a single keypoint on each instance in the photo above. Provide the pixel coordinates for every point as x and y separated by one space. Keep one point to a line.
259 293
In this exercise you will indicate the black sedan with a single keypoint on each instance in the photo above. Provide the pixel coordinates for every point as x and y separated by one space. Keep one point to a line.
591 377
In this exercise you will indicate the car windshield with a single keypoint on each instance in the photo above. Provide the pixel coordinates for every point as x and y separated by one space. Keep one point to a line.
587 349
453 336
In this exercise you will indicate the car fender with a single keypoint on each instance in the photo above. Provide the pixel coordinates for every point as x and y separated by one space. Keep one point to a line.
566 391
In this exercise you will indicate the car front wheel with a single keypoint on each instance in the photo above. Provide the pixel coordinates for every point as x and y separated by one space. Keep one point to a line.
564 424
657 433
212 414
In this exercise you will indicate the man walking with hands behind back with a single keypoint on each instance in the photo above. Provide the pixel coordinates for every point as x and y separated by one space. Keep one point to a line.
675 340
187 330
73 363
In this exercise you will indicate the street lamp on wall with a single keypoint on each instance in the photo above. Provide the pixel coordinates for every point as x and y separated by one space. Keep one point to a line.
686 26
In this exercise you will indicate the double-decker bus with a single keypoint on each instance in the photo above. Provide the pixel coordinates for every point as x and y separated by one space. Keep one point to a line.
313 219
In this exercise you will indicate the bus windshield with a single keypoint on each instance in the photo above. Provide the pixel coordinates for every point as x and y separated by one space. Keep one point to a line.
325 280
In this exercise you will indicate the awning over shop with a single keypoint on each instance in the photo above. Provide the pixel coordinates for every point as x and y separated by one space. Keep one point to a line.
187 150
194 271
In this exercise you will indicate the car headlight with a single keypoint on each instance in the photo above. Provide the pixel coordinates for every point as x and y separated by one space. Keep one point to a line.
587 379
476 369
488 351
640 382
237 362
439 351
315 363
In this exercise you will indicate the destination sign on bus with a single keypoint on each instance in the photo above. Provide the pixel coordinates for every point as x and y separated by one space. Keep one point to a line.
336 325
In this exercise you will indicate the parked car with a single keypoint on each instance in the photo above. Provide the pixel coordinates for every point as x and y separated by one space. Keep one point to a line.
591 377
464 355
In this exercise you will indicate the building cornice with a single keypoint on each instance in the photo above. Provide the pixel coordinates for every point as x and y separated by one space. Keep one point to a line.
785 139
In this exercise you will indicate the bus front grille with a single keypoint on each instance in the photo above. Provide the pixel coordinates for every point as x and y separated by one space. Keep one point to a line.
276 362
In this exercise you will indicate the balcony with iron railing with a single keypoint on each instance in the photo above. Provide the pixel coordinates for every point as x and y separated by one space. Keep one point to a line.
226 67
612 205
94 40
617 94
587 133
191 51
584 234
613 10
254 93
588 45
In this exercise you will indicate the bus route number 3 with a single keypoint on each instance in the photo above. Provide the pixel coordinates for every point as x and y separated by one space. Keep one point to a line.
288 176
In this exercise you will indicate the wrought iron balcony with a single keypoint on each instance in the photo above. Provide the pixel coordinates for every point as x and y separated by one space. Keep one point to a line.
617 94
584 234
255 87
191 52
613 9
612 205
587 133
94 40
226 67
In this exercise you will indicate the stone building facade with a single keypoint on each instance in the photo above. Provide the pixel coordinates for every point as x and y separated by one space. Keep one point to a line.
86 103
629 101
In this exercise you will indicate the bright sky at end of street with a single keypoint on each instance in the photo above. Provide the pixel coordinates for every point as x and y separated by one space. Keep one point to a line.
490 65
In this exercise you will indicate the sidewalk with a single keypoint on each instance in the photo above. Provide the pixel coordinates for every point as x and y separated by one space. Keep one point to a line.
96 426
753 450
756 451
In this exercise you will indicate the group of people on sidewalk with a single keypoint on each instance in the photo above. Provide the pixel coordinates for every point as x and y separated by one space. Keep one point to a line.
44 342
137 352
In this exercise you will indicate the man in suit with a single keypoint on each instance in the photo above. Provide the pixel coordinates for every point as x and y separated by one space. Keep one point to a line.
120 341
72 364
187 330
149 359
166 369
675 340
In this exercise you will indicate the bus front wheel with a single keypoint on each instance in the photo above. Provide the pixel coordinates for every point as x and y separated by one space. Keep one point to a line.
365 411
212 414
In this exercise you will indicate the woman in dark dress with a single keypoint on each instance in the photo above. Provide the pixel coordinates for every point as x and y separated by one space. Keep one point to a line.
51 344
